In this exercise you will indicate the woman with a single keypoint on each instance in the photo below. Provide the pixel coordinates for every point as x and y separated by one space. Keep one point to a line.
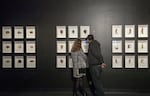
79 62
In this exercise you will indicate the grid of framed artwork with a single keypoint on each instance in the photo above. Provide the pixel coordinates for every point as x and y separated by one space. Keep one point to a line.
18 45
130 47
65 36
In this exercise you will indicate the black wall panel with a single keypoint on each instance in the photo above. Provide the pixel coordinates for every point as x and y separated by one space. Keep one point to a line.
47 14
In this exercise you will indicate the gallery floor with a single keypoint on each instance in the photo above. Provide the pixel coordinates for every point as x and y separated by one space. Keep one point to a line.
62 93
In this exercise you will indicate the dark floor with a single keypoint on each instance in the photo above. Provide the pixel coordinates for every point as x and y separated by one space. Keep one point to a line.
61 93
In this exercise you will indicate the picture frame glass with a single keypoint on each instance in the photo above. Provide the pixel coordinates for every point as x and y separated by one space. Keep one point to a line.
143 62
30 32
73 31
60 31
84 31
116 46
117 62
142 31
129 31
129 46
61 62
31 62
6 32
116 31
7 62
142 46
129 61
61 46
18 32
19 62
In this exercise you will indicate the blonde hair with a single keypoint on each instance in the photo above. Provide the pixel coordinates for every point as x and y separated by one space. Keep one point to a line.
76 45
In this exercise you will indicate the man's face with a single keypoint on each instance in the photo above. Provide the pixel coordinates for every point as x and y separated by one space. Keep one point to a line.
89 41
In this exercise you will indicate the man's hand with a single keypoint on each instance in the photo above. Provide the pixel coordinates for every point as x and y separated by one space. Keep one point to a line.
103 65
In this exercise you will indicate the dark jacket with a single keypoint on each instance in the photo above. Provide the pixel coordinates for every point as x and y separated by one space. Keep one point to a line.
94 53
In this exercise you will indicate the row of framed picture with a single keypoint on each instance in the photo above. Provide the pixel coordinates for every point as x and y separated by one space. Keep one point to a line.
130 61
117 61
18 32
18 62
19 46
130 46
65 46
130 31
72 31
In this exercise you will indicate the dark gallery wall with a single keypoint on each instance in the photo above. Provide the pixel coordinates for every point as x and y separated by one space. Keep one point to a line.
47 14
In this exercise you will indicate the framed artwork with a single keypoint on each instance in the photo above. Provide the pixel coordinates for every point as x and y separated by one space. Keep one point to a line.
19 62
60 31
84 31
142 31
6 32
117 61
30 32
142 46
129 61
116 31
70 64
116 46
7 62
70 44
30 47
61 46
85 46
129 31
61 62
31 61
19 47
19 32
7 47
143 62
73 31
129 46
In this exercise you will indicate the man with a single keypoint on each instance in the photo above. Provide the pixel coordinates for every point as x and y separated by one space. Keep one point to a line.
96 63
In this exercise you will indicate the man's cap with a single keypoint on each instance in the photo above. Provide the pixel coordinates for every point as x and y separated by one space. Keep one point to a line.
90 37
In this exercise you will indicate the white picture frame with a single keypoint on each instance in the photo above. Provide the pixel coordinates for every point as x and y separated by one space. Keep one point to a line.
30 46
142 31
6 32
116 46
7 47
19 47
143 62
129 46
72 31
70 64
19 62
61 62
84 31
129 61
129 31
18 32
70 44
61 46
30 61
142 46
7 62
117 61
60 31
30 32
116 31
85 46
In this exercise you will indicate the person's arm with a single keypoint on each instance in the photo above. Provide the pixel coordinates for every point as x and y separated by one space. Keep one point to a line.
96 52
75 65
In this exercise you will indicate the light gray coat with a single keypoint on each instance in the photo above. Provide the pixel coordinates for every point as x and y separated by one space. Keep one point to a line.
79 60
